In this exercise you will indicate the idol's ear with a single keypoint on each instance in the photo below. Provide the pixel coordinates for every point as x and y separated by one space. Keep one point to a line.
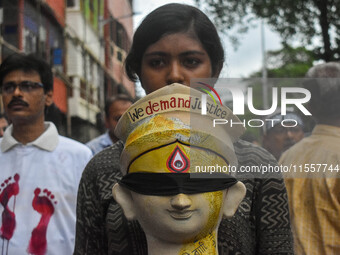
233 198
124 199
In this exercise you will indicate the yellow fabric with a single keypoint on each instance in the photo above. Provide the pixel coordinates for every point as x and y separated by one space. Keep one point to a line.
315 202
157 160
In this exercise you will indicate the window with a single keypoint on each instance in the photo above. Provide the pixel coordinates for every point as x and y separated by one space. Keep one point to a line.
119 35
83 90
71 3
30 43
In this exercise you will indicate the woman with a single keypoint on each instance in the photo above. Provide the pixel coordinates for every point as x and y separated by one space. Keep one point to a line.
176 43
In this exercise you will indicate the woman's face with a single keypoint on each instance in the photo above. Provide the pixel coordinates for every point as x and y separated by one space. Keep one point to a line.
176 57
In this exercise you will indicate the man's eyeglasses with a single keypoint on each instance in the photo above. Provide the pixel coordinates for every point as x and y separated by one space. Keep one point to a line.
24 86
278 129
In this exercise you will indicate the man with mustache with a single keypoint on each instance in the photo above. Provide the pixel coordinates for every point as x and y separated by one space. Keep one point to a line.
40 170
278 138
114 109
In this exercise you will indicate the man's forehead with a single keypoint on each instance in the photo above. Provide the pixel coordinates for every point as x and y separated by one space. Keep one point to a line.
120 104
19 74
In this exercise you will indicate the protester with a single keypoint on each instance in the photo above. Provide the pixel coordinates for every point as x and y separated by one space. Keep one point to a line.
314 186
3 124
114 109
278 138
174 44
40 170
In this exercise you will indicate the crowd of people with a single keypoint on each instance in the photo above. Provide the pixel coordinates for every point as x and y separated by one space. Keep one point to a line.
56 193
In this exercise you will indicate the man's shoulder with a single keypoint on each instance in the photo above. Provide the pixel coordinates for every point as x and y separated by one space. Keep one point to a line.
99 143
71 145
1 139
310 149
106 161
97 140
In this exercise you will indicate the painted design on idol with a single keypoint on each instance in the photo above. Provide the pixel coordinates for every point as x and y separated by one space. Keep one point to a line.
206 241
178 162
9 188
204 246
43 204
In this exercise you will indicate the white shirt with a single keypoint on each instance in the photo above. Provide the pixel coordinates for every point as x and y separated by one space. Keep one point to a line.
41 192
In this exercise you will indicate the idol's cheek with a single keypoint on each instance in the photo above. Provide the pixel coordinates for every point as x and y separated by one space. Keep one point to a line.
212 210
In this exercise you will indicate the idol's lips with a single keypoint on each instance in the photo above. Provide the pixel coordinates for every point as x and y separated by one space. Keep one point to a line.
181 215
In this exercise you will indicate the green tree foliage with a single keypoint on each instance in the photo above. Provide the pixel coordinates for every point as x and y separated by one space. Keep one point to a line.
309 21
288 62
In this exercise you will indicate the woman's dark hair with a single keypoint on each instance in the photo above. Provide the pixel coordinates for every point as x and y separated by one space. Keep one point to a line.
169 19
28 63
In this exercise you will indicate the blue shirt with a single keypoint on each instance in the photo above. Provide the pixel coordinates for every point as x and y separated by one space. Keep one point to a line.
99 143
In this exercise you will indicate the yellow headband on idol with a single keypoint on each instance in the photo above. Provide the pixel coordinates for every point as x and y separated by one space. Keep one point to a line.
175 158
162 131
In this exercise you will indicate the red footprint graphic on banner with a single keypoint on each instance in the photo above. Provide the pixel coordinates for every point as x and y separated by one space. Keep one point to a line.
8 189
43 204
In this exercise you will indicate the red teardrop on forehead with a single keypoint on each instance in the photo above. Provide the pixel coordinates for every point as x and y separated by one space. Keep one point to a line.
178 162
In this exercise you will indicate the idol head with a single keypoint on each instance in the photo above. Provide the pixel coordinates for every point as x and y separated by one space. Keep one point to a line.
166 185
